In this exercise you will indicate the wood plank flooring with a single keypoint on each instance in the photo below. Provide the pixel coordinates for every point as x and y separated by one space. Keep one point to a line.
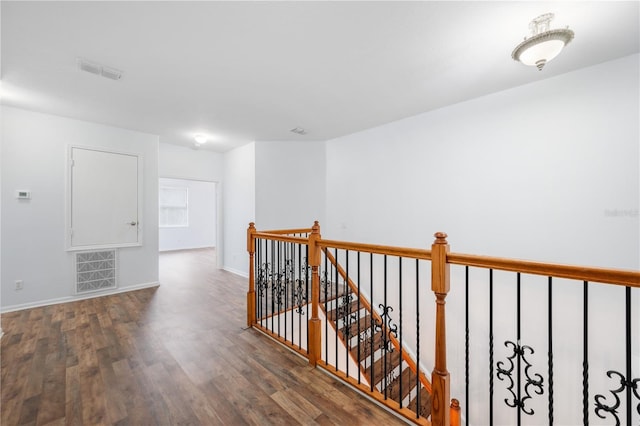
172 355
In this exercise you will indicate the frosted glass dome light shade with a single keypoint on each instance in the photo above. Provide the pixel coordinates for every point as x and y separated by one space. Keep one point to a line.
542 47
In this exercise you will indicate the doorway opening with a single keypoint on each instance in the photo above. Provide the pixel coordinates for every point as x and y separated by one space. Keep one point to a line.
188 214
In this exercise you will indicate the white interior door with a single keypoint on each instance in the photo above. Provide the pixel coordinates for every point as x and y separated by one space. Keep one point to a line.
104 198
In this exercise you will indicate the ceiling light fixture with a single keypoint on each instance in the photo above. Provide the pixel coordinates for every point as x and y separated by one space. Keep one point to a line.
299 131
544 43
199 140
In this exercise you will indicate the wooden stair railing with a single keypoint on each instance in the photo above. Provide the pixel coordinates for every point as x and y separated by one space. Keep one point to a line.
406 400
360 330
444 411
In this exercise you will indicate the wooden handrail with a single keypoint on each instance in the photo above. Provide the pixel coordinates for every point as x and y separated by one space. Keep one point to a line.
289 231
278 237
377 249
582 273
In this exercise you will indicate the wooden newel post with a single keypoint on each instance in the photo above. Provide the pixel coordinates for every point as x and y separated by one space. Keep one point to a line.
315 345
440 411
251 294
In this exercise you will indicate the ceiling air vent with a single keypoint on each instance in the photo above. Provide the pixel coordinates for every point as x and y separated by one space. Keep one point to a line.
88 66
99 69
111 73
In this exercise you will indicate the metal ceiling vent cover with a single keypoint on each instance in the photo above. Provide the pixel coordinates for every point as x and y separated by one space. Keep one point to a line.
95 270
99 69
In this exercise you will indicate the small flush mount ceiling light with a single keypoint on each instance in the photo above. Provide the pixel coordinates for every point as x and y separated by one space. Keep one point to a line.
544 43
199 140
299 131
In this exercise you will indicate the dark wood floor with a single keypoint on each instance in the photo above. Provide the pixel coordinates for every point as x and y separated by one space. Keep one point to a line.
172 355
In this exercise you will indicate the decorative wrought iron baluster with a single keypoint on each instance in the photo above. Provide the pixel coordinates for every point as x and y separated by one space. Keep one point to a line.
491 346
630 386
505 373
371 322
348 313
300 297
585 353
273 281
519 355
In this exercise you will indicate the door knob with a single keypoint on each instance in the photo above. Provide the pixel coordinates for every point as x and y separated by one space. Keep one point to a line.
133 223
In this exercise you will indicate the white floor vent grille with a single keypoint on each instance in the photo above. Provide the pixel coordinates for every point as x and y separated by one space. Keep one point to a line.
95 270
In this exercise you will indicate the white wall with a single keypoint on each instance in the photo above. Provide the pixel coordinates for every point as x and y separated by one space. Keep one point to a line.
290 184
529 172
201 231
33 232
239 206
547 171
185 163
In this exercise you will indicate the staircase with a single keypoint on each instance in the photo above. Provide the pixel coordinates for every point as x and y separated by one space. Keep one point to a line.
371 339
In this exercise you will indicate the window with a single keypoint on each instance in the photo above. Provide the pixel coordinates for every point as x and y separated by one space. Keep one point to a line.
174 207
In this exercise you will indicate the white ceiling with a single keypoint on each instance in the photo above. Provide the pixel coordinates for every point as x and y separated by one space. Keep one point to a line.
244 71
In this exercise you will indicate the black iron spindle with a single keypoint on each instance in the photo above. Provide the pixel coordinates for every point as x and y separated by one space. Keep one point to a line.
466 343
287 265
519 358
306 289
326 277
418 387
279 288
346 321
265 290
630 383
400 319
359 331
335 303
371 326
384 330
273 280
550 348
585 353
298 288
491 346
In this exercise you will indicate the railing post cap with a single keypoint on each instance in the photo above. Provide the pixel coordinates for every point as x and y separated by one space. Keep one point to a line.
315 229
252 225
441 238
455 403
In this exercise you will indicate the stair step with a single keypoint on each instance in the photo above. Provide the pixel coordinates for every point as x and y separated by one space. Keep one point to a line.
365 346
331 294
342 311
408 379
425 403
392 361
357 327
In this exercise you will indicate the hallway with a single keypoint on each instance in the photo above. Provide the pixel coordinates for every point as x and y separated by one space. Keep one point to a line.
175 354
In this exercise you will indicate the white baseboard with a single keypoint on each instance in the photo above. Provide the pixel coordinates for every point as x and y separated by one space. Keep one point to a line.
75 298
236 271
